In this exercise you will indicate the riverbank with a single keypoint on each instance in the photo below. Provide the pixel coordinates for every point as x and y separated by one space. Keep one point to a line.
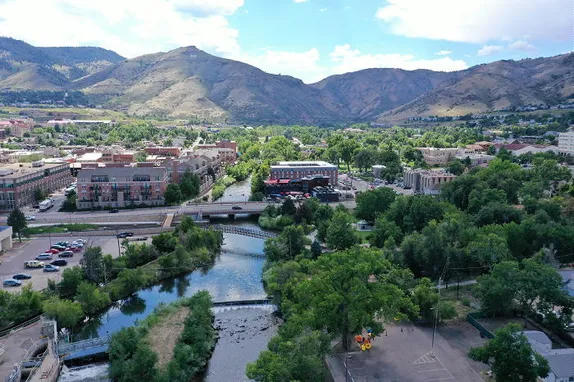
220 186
173 343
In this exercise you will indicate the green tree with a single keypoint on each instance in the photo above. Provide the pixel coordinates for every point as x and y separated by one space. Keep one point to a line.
347 149
65 312
455 167
374 202
39 195
189 185
91 298
165 242
340 233
17 220
92 264
386 233
426 297
511 357
349 291
288 207
71 279
290 243
173 194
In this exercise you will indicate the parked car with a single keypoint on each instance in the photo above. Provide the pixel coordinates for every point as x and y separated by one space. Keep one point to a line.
66 254
53 251
114 211
236 208
51 268
33 264
21 276
81 241
63 243
59 262
11 283
73 249
123 235
44 256
58 247
30 218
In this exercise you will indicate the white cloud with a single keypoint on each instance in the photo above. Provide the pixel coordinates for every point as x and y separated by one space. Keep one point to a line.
522 45
130 27
322 9
478 21
348 60
303 65
489 50
443 52
299 1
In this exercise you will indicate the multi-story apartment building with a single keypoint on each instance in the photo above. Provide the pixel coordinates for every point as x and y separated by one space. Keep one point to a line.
17 127
227 150
566 142
296 170
428 182
109 187
196 164
19 182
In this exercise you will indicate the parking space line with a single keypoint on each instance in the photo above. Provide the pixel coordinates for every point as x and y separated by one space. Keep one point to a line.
440 379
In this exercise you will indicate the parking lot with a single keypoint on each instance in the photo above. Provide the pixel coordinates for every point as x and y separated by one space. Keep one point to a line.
405 354
12 261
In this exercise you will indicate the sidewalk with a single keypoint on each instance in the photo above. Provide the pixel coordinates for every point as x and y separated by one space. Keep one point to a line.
16 345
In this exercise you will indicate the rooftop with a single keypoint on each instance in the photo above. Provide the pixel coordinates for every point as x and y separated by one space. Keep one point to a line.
303 164
122 171
22 169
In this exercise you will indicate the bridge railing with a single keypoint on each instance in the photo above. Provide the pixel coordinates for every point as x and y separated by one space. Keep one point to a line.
82 345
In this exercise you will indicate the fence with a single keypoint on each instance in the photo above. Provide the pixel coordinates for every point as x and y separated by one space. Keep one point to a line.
472 318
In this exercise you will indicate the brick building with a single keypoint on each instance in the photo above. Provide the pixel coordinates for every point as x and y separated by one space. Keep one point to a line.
163 151
109 187
296 170
227 150
17 127
19 182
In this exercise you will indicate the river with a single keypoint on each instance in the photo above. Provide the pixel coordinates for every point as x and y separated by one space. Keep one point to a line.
235 275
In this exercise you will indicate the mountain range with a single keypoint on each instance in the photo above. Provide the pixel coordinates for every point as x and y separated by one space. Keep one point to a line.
188 81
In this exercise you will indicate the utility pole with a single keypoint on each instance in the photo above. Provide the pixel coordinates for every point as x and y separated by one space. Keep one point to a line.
118 239
438 302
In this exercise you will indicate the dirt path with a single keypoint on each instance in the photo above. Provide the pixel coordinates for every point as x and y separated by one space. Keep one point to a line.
163 336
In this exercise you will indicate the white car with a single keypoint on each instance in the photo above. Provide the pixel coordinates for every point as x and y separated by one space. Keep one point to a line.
30 218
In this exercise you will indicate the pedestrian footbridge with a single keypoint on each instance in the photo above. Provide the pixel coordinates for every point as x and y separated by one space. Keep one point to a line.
243 231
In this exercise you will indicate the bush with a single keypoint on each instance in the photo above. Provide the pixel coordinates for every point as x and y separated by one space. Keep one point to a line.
465 301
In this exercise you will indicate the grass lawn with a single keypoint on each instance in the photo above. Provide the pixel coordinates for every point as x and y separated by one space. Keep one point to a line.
364 236
61 228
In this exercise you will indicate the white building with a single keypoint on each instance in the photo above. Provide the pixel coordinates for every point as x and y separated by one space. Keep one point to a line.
561 361
566 142
428 182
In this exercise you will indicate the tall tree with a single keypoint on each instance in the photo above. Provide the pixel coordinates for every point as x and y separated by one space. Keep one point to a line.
511 356
374 202
349 291
347 149
340 233
92 264
17 220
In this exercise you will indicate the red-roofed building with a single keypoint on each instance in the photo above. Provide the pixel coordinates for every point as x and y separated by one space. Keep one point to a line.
17 127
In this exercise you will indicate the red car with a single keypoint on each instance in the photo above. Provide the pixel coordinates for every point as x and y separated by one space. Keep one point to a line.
53 251
73 249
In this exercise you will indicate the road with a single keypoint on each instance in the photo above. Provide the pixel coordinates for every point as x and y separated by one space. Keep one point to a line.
150 214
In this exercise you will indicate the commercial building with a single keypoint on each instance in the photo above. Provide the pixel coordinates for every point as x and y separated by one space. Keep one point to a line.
17 127
5 237
207 166
110 187
19 181
296 170
566 142
428 182
476 159
303 185
560 361
164 151
435 156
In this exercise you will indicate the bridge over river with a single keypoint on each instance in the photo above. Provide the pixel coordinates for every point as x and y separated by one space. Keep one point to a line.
243 231
96 346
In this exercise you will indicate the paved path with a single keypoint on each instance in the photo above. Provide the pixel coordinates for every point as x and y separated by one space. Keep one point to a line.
16 345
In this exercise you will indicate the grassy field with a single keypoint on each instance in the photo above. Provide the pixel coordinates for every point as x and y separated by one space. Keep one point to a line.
61 228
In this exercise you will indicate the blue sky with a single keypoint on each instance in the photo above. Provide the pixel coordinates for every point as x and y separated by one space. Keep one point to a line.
309 39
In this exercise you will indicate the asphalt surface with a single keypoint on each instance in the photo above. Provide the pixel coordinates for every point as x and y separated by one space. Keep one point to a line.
12 261
407 355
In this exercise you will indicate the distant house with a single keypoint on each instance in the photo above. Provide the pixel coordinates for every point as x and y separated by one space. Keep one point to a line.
561 361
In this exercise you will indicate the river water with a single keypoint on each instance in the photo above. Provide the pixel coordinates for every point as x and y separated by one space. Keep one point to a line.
235 275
